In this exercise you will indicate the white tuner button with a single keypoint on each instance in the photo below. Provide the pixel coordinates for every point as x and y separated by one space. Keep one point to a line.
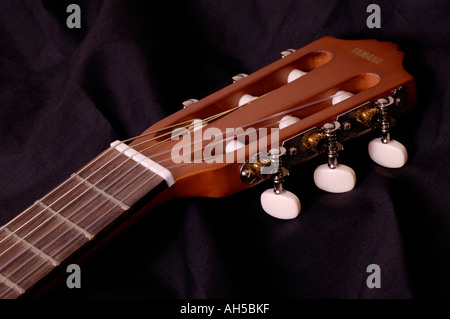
189 102
285 205
341 96
287 120
392 154
340 179
233 145
246 98
294 75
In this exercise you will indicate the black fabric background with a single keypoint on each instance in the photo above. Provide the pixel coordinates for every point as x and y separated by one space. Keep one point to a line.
65 94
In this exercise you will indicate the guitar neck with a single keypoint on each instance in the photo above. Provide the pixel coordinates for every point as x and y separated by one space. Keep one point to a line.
49 232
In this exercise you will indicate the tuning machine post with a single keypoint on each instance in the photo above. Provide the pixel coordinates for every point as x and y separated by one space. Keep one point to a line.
386 151
334 177
277 201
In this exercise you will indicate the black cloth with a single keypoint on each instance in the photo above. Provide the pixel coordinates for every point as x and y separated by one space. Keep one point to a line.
67 93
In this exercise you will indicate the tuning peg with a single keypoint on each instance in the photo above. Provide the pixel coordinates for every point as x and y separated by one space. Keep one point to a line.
246 98
277 201
294 75
334 177
189 102
385 151
287 120
239 76
340 179
285 53
341 96
282 205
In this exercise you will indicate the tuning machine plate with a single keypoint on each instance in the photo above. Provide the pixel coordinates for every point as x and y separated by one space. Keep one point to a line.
262 166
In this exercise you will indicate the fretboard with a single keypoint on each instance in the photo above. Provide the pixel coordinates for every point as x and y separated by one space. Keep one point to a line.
50 231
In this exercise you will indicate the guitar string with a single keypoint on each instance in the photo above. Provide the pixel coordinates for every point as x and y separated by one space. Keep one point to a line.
55 253
71 215
278 114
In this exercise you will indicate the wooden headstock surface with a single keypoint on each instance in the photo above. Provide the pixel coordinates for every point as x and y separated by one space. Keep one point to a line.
367 68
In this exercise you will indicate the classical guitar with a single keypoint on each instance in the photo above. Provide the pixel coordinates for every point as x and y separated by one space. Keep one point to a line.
306 104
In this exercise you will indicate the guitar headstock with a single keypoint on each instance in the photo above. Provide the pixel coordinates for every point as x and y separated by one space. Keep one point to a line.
304 104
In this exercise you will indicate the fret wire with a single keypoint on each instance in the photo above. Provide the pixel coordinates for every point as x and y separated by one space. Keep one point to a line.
72 213
142 184
105 201
57 199
128 158
34 253
104 214
104 153
28 274
93 209
83 231
148 180
69 202
11 284
102 192
63 247
31 247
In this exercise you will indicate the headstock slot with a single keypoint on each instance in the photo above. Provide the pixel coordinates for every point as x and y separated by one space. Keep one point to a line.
355 85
